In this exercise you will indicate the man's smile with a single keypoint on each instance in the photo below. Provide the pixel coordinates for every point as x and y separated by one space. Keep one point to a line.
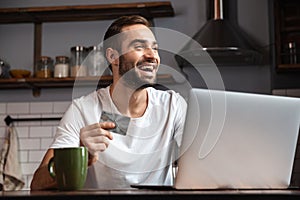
147 67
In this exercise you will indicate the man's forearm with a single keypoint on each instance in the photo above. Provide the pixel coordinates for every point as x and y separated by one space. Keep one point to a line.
42 180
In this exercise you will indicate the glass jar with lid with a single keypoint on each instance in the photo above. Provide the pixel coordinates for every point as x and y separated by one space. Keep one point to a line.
78 54
61 68
44 67
95 62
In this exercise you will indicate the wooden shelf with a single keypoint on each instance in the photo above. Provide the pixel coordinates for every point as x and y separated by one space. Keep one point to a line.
289 66
40 15
291 29
84 13
36 84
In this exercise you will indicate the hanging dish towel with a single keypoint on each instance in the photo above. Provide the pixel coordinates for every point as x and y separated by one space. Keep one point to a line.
11 177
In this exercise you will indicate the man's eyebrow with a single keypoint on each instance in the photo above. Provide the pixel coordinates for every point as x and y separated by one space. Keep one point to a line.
140 41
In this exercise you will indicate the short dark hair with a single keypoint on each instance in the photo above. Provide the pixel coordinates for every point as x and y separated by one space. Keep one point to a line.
116 28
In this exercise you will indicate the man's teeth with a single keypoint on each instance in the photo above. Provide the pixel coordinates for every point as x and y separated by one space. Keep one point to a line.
147 68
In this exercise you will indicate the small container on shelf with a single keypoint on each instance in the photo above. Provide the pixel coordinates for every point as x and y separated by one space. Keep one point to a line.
44 67
61 68
20 73
78 54
95 62
290 54
4 69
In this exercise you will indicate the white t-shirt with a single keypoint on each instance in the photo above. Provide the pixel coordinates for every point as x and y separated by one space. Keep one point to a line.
144 155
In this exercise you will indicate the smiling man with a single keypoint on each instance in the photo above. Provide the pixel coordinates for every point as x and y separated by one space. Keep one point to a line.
144 155
140 54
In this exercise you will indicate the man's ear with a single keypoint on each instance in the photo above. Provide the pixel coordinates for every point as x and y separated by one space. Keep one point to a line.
112 56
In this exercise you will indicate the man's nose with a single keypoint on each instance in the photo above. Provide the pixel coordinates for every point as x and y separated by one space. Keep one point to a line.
150 52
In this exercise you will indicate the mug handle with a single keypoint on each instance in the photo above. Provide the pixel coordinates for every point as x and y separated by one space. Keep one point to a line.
51 168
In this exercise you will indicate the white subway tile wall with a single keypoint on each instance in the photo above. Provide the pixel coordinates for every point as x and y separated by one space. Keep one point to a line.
34 136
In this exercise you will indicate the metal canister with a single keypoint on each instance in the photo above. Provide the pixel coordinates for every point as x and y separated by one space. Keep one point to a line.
4 69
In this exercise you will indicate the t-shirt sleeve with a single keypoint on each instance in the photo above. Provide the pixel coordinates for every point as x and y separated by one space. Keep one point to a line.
68 130
82 112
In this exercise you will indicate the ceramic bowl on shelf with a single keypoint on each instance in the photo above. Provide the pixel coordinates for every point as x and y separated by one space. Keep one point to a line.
20 73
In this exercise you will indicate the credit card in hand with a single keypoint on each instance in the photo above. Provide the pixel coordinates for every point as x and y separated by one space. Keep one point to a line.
120 121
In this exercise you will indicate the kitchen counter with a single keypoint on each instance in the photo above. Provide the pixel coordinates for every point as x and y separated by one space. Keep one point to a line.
154 194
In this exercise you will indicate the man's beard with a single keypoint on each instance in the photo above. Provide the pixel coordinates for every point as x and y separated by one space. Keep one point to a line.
131 77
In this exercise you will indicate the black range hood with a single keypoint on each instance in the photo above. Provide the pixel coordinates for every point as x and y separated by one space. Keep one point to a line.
224 41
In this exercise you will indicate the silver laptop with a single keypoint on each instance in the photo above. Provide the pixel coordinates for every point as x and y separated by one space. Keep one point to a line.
238 141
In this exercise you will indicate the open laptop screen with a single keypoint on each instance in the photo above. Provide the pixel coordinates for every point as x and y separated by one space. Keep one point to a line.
238 140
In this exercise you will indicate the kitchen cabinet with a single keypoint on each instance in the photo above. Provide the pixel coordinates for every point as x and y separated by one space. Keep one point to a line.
287 35
40 15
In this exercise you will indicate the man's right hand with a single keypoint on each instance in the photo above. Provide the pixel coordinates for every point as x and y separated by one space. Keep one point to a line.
96 137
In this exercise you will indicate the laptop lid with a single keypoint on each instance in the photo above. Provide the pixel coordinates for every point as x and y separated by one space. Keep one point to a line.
238 140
